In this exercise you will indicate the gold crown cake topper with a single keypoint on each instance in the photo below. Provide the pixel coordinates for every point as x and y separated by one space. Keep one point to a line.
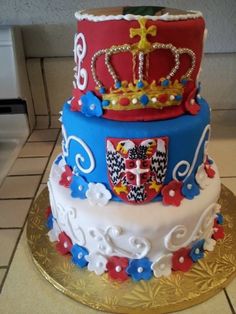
139 93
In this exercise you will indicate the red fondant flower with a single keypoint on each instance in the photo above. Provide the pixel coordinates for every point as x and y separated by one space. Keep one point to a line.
48 212
209 171
172 193
66 177
75 101
64 244
181 260
116 267
218 231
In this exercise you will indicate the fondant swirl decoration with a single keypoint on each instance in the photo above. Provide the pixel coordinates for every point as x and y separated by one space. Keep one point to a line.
80 160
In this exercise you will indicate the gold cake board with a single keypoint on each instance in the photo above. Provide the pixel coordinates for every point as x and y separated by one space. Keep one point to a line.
158 295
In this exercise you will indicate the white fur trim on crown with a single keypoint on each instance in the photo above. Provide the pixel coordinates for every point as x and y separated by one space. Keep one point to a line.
129 17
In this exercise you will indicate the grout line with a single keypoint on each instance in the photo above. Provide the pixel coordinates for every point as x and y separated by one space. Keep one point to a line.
24 175
229 302
229 177
26 218
40 141
17 198
25 157
10 228
3 267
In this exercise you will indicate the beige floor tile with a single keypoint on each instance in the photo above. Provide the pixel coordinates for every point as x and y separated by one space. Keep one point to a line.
7 244
41 188
39 149
231 290
223 151
2 274
24 166
19 187
43 135
42 122
230 183
13 212
56 151
55 123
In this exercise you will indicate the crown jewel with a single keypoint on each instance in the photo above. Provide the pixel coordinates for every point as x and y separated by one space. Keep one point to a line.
139 94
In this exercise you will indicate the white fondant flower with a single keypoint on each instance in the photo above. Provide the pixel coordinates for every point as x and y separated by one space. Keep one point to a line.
96 263
201 177
97 194
54 232
209 244
162 266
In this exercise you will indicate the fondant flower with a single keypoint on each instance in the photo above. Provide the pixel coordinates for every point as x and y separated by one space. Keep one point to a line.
172 193
64 244
78 187
96 263
209 244
50 221
66 177
140 269
209 170
201 177
190 188
97 194
162 267
197 251
78 255
219 219
91 105
218 231
181 260
116 267
53 234
48 211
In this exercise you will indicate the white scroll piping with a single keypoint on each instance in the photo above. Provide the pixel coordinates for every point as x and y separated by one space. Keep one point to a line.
139 247
189 169
176 238
81 74
78 157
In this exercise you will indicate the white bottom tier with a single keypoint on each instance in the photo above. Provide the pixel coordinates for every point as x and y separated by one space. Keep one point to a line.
118 229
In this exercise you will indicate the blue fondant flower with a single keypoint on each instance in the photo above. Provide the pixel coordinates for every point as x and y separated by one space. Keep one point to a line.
140 269
78 255
78 187
190 188
197 251
50 222
91 105
220 219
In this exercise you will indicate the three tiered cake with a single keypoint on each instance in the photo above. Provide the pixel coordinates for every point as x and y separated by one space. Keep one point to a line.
134 192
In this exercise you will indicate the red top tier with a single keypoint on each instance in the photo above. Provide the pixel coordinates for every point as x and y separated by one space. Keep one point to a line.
138 63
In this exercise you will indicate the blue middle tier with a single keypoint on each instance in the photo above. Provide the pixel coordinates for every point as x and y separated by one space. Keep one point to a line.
85 142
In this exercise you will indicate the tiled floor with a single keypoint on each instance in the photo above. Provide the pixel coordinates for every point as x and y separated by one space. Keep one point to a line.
18 277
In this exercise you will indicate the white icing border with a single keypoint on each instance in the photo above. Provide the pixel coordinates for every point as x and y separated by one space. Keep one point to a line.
80 16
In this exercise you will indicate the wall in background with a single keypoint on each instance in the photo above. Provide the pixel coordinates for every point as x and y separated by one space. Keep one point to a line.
48 26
